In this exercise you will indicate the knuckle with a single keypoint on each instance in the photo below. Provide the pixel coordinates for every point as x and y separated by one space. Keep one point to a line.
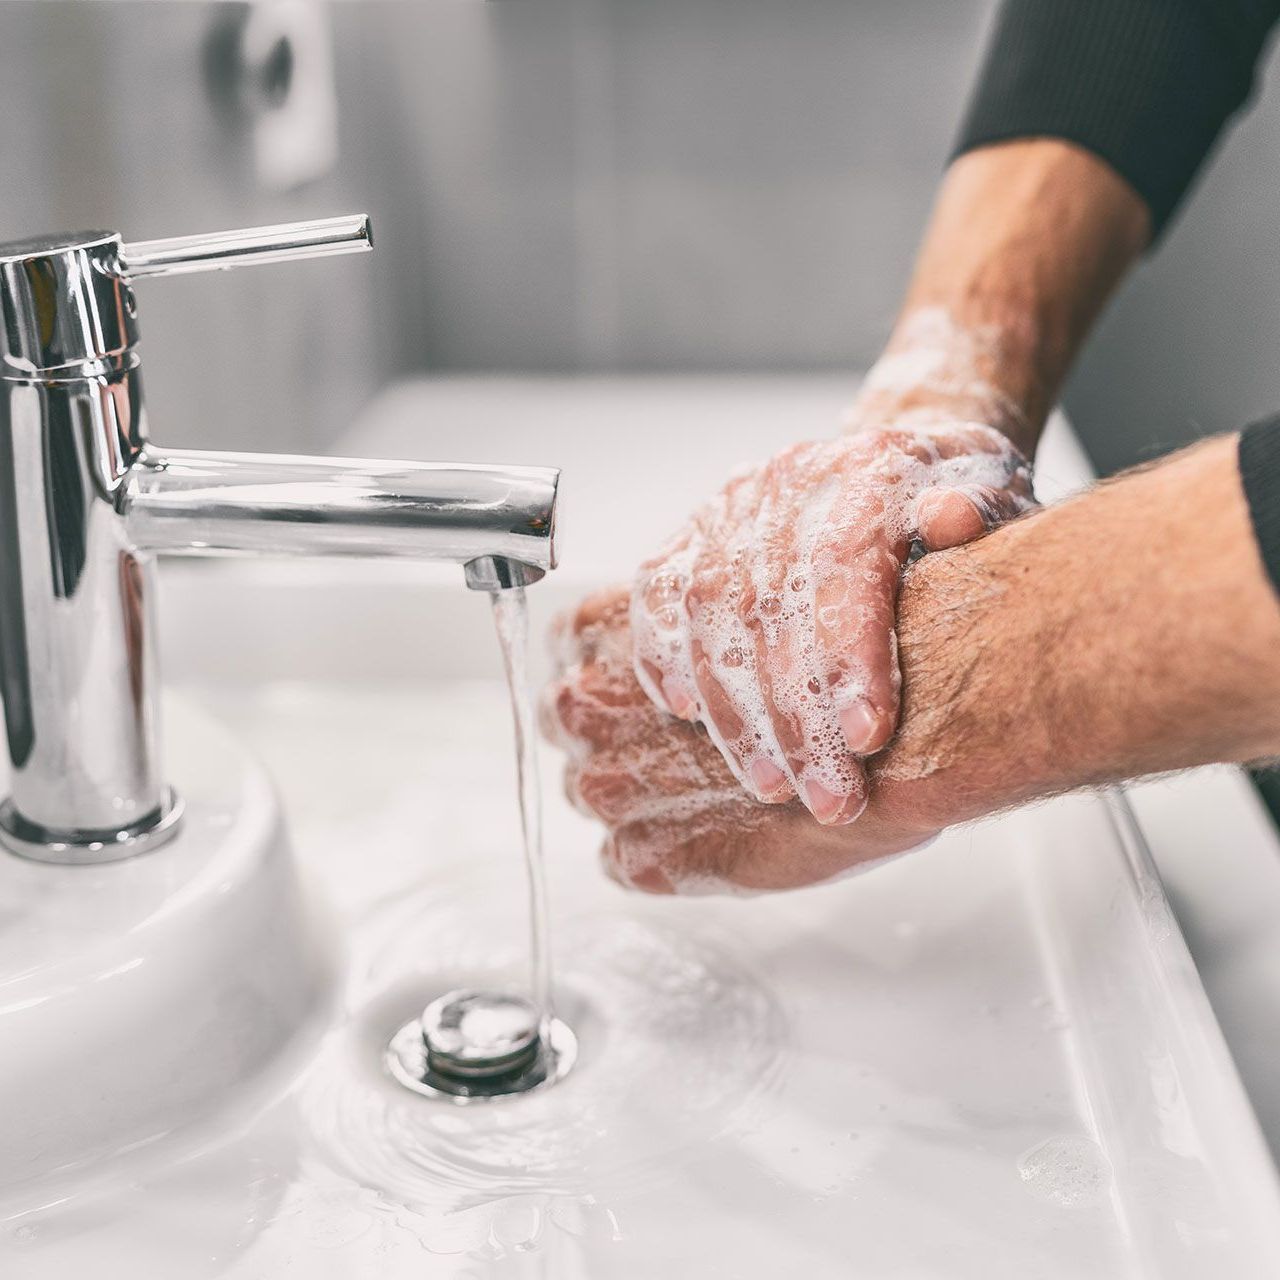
572 710
609 796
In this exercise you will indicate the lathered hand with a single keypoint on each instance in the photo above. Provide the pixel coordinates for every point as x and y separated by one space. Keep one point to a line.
769 618
676 817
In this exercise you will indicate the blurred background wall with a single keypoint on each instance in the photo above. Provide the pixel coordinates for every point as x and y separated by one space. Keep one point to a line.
578 186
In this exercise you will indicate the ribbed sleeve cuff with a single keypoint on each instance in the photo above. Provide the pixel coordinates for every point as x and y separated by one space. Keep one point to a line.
1260 476
1145 84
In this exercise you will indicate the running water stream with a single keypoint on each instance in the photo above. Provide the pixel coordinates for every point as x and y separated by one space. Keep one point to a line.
511 615
484 1043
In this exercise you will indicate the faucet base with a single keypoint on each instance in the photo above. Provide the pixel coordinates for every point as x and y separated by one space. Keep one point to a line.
81 848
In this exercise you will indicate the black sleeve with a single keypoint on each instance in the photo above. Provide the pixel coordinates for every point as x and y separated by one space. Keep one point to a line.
1147 85
1260 475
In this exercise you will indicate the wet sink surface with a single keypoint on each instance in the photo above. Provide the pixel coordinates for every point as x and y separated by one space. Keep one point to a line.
990 1059
915 1073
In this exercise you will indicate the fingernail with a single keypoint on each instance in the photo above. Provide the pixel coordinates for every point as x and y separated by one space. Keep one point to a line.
859 724
678 698
767 777
822 803
652 880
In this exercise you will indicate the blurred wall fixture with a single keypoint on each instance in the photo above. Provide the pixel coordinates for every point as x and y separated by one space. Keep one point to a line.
269 68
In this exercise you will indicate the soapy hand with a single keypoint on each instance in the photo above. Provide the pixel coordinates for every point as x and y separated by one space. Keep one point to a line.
769 619
678 821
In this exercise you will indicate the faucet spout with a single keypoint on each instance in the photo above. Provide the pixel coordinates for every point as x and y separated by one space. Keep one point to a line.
86 501
196 502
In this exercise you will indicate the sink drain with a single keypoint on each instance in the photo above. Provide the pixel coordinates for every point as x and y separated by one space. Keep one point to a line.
473 1046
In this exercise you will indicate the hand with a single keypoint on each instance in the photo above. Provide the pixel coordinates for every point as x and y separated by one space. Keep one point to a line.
769 618
677 820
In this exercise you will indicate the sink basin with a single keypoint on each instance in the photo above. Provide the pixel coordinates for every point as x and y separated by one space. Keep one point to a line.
992 1058
138 997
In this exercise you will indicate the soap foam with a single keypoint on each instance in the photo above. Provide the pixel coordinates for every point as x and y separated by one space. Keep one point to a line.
785 560
933 355
671 807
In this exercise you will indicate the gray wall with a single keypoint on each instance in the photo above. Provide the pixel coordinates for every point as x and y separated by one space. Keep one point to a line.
676 184
587 185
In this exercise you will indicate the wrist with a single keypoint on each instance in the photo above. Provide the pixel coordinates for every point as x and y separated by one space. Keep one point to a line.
1027 240
969 743
938 366
1128 631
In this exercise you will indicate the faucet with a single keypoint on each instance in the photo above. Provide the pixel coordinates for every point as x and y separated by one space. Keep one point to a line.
87 502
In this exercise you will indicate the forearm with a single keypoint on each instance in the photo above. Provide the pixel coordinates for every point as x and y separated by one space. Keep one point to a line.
1129 631
1026 242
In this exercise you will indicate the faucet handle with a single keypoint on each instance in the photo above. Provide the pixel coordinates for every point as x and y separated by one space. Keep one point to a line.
66 302
223 250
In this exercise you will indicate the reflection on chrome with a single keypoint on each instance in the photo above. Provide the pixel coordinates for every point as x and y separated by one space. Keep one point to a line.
86 502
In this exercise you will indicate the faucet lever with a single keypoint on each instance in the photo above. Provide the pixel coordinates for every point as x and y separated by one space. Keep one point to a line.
220 251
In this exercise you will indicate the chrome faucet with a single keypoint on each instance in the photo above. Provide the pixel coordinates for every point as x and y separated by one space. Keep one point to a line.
86 501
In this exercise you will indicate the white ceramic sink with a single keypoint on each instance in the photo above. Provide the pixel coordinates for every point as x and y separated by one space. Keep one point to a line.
137 998
990 1059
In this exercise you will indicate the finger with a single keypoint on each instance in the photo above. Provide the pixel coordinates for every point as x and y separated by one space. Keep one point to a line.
728 848
835 800
608 794
660 642
779 604
660 610
830 780
632 859
855 596
749 748
729 688
951 517
784 662
590 631
659 856
578 717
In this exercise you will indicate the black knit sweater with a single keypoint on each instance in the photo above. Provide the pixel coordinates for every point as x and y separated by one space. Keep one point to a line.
1147 85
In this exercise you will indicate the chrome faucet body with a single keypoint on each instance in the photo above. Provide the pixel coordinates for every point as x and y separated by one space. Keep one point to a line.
86 502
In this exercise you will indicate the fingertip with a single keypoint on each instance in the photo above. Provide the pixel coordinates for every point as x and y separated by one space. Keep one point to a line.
649 678
680 701
833 809
865 727
948 518
648 878
826 805
652 879
770 785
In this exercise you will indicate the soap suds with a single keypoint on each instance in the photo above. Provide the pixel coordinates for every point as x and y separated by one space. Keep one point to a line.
774 608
